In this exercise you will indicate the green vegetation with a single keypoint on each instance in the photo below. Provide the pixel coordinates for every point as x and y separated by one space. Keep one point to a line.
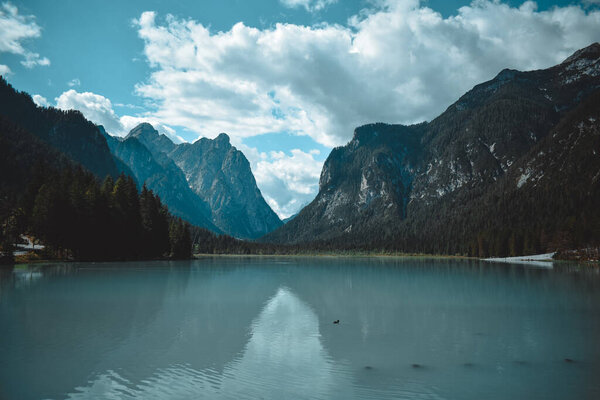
76 217
51 163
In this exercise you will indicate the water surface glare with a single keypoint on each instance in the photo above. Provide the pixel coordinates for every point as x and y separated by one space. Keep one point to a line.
235 328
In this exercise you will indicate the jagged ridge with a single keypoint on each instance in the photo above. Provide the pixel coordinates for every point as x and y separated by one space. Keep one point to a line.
220 175
471 153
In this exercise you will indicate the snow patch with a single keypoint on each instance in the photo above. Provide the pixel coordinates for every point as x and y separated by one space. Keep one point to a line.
523 178
535 260
580 68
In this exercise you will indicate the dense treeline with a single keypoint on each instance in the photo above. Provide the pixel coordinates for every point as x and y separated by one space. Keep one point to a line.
536 192
67 131
50 164
76 217
44 193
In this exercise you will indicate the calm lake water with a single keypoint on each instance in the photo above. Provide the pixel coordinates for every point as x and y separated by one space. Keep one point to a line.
263 328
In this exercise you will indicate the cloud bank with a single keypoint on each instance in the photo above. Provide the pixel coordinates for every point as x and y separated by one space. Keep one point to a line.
397 62
99 110
288 181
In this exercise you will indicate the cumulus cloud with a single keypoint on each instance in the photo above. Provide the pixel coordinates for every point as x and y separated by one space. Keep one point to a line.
398 62
288 181
16 29
4 70
94 107
308 5
40 100
99 110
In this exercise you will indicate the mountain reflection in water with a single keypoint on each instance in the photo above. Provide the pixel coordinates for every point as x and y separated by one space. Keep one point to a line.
263 328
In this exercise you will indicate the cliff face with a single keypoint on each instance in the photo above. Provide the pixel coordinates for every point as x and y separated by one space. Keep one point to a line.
363 185
220 176
208 183
449 180
163 177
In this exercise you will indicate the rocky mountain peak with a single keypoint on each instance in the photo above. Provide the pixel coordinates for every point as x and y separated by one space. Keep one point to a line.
592 52
506 75
222 140
444 181
220 174
143 129
207 179
581 66
155 141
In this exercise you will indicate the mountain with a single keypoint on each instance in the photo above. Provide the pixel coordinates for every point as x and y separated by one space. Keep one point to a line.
163 177
219 175
510 167
288 219
66 131
155 142
22 155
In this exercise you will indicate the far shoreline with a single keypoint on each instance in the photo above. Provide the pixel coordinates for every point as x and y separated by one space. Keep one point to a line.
20 261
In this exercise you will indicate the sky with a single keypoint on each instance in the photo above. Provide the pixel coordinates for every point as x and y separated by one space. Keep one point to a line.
288 80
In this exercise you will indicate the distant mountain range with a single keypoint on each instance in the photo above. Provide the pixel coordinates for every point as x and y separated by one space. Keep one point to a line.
512 167
208 183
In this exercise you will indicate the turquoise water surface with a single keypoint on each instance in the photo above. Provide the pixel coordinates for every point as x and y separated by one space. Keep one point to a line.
234 328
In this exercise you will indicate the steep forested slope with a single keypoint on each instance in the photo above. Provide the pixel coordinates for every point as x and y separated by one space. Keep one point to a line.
511 167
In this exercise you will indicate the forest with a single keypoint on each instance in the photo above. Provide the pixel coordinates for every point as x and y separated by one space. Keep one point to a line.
60 185
76 217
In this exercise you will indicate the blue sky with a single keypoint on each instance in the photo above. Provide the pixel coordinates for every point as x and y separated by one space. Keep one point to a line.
287 79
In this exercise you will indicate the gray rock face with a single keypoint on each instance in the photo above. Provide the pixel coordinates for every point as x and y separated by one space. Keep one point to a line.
154 141
363 185
392 175
219 175
163 177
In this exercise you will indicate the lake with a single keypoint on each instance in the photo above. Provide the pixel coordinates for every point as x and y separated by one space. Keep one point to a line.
234 327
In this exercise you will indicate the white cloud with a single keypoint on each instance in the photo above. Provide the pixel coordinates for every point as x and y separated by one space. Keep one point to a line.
74 82
99 110
94 107
399 62
288 182
309 5
4 70
14 30
40 100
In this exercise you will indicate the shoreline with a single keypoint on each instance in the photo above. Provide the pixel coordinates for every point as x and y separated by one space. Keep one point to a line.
199 256
523 260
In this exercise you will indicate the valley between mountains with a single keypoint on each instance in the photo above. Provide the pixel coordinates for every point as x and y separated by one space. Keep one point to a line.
512 167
